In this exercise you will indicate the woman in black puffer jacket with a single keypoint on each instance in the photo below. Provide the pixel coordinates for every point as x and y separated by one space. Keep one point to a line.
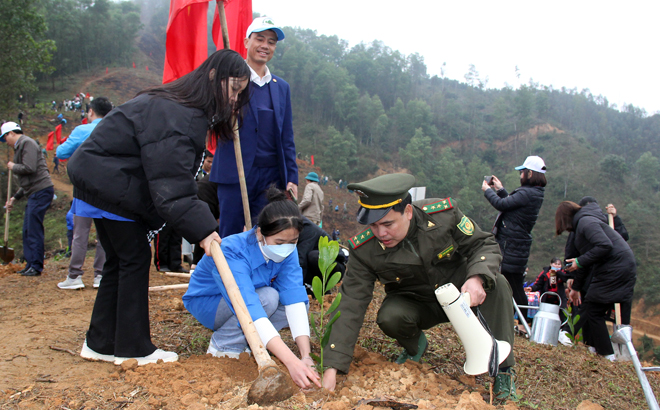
135 172
603 252
518 213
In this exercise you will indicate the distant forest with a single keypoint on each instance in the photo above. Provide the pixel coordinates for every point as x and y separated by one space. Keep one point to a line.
361 108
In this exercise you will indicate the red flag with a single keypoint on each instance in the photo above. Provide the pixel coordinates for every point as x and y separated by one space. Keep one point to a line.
49 143
211 145
106 70
58 133
84 120
186 46
312 159
87 95
147 67
133 64
239 18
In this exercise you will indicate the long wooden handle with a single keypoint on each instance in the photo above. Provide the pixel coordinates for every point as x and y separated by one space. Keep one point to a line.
241 177
258 349
610 219
7 211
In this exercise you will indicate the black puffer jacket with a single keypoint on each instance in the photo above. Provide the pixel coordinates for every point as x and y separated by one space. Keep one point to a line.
140 162
570 251
513 226
604 253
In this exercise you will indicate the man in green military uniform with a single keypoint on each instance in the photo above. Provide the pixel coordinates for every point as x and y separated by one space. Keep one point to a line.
412 249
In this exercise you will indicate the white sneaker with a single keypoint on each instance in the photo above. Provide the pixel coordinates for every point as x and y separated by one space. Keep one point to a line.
564 339
610 357
97 281
232 355
152 358
89 354
69 283
592 350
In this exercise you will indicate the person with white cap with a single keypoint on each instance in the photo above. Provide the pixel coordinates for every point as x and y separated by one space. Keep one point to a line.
266 136
35 184
517 216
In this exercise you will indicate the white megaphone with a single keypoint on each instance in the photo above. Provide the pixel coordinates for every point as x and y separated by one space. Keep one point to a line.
482 352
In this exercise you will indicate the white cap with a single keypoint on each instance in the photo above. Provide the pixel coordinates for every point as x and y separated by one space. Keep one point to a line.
9 126
262 24
534 163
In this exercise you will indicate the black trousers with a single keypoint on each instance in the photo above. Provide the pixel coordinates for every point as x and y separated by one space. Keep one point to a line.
403 317
120 319
593 316
167 250
516 282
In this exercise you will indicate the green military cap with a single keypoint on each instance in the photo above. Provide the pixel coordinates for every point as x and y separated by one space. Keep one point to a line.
380 194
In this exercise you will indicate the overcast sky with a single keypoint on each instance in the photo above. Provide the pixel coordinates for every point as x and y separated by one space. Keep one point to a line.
609 47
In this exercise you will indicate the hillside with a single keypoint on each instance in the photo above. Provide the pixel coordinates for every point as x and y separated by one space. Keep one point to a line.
38 373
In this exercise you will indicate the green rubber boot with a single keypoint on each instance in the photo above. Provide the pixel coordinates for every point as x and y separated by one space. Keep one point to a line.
422 345
505 386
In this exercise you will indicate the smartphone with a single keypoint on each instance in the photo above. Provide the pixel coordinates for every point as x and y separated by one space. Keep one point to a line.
293 197
568 264
488 179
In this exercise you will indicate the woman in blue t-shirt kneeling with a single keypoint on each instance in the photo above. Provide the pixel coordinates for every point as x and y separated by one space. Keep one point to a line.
264 262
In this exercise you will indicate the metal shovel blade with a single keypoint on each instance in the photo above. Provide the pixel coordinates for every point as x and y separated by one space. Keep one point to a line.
6 254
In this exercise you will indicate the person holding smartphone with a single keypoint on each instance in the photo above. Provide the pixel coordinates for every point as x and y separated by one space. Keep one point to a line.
517 216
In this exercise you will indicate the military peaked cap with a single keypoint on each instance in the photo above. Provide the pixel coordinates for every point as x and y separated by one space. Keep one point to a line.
380 194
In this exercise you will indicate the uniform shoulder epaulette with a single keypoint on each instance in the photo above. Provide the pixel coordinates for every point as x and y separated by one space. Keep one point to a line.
361 238
442 205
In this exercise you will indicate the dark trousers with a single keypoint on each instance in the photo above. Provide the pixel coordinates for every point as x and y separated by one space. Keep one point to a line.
167 249
516 282
120 319
403 317
230 202
593 316
33 227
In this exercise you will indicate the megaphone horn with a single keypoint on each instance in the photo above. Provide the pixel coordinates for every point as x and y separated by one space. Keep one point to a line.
482 352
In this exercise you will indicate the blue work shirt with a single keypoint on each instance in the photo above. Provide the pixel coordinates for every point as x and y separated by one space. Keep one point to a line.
82 208
251 272
77 137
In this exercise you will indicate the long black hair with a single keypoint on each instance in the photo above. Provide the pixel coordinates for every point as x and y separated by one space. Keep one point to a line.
202 88
280 214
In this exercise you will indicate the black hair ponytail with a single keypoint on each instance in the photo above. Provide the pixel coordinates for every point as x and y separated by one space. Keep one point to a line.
280 214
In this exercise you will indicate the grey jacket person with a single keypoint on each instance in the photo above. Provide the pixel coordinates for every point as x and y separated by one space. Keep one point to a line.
30 167
311 205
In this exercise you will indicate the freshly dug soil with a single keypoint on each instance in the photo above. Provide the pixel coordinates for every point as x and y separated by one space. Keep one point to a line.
42 329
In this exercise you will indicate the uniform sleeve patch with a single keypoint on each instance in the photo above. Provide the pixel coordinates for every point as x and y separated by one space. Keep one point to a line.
466 226
361 238
439 206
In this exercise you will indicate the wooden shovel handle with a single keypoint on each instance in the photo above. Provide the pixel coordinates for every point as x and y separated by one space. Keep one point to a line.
7 211
617 306
258 349
241 177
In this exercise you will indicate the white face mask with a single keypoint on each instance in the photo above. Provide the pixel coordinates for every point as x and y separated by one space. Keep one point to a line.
277 253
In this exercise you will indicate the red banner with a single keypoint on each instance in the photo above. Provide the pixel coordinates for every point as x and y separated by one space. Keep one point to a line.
50 142
186 46
239 18
58 133
312 159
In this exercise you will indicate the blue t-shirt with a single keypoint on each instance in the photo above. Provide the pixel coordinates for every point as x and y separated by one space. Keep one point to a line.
250 271
82 208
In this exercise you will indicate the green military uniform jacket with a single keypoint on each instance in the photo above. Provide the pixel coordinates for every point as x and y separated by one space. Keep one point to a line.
450 247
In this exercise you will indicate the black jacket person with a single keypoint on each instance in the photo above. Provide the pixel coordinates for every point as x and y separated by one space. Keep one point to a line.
412 249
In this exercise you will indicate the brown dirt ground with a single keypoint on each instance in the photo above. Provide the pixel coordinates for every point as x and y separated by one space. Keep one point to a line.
43 328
